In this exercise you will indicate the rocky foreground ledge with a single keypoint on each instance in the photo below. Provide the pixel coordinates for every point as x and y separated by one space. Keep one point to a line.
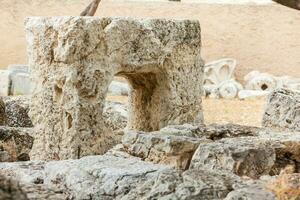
177 162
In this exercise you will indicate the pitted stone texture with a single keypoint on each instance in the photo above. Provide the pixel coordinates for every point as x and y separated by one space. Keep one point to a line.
287 149
191 184
91 177
251 192
16 111
176 151
283 110
212 131
15 143
2 112
247 156
73 61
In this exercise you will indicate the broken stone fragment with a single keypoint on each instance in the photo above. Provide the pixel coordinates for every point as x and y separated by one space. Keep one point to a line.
287 149
212 131
118 88
2 113
91 177
245 156
15 143
251 192
260 81
191 184
74 59
4 83
282 110
172 150
247 94
219 71
16 111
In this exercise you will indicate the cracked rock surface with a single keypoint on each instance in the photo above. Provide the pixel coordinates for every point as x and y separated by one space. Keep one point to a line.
91 177
283 110
15 143
74 59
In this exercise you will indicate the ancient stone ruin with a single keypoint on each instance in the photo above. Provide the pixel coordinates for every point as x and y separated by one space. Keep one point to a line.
74 59
159 150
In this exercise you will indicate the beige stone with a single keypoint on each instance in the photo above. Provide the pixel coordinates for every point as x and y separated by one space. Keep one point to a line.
74 59
283 110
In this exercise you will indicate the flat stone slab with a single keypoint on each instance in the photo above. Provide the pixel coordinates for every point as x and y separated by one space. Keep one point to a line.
74 59
92 177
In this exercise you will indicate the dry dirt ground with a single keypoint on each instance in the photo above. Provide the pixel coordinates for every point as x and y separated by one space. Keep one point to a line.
245 112
264 37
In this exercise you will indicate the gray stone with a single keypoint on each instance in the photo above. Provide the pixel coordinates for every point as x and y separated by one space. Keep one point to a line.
283 110
16 111
15 143
116 115
18 68
212 131
245 156
92 177
20 83
175 151
287 149
252 192
2 112
76 61
4 82
118 88
189 185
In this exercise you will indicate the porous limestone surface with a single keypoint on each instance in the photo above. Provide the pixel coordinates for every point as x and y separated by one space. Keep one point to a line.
74 59
91 177
244 156
176 151
15 143
283 110
16 111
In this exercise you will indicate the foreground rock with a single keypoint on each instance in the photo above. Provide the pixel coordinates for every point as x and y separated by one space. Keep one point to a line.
243 156
10 189
16 111
15 143
93 177
172 150
191 184
283 110
164 70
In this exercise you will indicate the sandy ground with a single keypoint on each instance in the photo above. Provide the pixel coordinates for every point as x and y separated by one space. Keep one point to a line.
247 112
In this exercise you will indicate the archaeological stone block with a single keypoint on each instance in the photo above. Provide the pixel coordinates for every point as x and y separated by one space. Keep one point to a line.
74 59
283 110
245 156
176 151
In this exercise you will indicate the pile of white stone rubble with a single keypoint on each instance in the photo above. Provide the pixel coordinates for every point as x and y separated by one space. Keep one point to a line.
71 144
220 82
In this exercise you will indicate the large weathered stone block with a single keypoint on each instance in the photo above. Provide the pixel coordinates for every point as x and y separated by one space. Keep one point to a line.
283 110
247 156
74 59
